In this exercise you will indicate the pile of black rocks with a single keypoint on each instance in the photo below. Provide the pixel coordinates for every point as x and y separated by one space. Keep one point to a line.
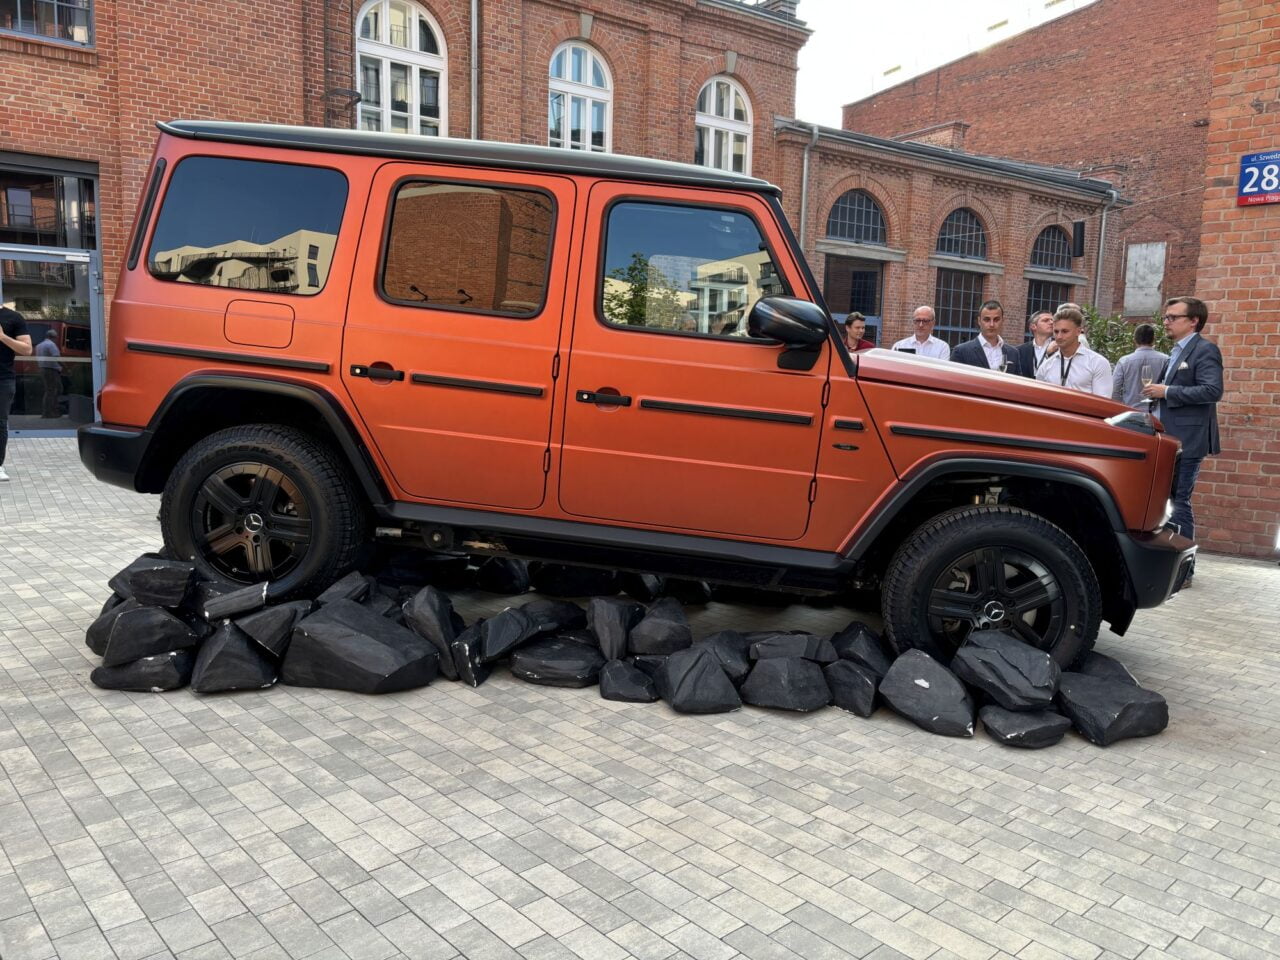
164 628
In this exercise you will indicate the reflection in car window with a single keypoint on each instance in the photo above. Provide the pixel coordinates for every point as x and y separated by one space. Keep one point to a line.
248 225
462 246
685 269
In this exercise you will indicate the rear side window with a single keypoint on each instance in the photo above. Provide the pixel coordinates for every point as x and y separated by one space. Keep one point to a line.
248 225
684 269
460 246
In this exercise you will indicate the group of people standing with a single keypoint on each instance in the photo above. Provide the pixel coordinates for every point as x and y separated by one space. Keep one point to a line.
1182 389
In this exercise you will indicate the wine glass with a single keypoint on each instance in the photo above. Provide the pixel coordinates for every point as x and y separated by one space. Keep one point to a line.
1147 373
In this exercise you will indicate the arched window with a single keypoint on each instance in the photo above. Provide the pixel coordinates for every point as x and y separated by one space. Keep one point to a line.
580 100
962 235
401 69
857 217
722 127
1052 250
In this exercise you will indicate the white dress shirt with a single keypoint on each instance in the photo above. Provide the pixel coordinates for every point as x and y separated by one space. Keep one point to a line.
995 355
933 347
1086 371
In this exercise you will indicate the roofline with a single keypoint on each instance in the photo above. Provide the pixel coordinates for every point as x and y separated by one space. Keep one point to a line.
1056 177
488 153
776 19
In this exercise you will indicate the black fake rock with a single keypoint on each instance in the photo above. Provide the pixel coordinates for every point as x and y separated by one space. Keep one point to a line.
558 662
122 582
346 646
620 680
611 621
645 587
1031 730
99 632
505 575
692 681
230 660
1014 674
786 683
354 586
501 634
166 671
663 631
218 601
693 592
1099 665
861 644
733 650
1107 711
431 616
563 580
465 651
853 686
806 645
928 694
146 632
156 582
271 627
555 616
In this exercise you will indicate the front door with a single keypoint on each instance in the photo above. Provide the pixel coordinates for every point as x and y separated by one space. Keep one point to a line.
58 294
453 327
675 417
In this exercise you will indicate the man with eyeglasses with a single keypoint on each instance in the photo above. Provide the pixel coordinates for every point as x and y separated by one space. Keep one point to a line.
1187 394
923 343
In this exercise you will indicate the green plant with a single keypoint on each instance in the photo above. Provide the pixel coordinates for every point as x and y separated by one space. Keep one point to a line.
1112 336
640 294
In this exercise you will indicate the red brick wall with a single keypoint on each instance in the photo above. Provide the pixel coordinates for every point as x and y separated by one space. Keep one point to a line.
1238 496
1121 82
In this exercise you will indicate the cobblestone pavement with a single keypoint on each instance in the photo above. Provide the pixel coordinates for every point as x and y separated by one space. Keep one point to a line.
522 821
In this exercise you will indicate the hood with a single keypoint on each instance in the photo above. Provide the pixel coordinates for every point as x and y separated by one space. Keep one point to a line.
945 376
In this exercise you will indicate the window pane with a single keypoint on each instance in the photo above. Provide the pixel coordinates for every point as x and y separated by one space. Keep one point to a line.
555 120
597 125
579 59
679 268
957 296
399 123
739 153
1042 295
962 235
1052 250
597 74
429 93
557 64
577 118
429 128
398 22
426 37
856 216
399 87
722 99
700 146
739 107
371 81
704 99
369 26
720 161
370 119
244 224
466 247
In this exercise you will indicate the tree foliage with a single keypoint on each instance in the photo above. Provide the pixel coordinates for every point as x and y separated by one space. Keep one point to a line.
1112 336
642 296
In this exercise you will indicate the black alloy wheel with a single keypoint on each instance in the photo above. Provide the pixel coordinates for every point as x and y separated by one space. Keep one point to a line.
251 522
991 568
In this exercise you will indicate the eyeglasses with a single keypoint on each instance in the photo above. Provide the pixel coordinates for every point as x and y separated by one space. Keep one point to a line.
919 320
1176 316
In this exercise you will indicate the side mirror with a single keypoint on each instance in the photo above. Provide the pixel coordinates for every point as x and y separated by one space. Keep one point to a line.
799 325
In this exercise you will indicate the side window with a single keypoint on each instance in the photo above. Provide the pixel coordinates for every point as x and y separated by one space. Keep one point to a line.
684 269
462 246
248 225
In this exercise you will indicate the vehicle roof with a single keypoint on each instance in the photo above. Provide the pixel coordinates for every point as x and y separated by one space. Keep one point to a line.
488 153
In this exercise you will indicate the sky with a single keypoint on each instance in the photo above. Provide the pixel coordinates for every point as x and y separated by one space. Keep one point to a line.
855 41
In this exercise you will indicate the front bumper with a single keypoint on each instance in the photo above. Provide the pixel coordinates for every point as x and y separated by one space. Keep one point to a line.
113 454
1156 564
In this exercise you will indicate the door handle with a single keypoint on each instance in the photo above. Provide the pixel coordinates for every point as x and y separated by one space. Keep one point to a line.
603 399
377 371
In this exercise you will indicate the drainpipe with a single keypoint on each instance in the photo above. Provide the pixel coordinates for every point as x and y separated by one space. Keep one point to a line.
475 69
804 185
1112 198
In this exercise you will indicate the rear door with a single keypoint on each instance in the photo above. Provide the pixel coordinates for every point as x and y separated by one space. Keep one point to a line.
674 416
453 328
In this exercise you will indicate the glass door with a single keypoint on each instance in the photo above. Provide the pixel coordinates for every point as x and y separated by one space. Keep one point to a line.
58 294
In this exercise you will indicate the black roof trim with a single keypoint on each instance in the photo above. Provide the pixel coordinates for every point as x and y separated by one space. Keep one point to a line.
1031 172
488 153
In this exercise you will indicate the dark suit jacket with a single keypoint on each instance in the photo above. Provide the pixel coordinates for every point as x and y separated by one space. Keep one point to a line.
1189 410
971 352
1026 359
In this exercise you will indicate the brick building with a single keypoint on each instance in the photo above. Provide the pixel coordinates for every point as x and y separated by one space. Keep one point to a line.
1118 90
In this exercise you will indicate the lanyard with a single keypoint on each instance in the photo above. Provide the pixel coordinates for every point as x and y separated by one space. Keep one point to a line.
1064 365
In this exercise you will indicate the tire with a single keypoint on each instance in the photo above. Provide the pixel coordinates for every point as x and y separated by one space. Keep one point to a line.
264 502
991 566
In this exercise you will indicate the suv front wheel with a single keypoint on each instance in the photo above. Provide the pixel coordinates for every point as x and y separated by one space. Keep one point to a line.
263 502
991 567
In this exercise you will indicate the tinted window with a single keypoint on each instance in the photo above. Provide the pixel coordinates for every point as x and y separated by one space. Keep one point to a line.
685 269
248 225
461 246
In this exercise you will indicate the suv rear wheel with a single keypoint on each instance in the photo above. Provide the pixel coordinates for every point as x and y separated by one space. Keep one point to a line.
263 502
991 567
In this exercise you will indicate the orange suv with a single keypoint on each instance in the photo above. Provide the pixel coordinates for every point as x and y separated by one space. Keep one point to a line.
321 336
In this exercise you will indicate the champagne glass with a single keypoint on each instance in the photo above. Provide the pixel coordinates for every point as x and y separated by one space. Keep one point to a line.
1147 373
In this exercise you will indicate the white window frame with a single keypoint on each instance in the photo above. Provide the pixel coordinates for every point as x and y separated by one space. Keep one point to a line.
387 53
590 94
713 123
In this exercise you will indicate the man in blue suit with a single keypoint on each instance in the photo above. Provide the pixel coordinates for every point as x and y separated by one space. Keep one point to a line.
988 350
1187 396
